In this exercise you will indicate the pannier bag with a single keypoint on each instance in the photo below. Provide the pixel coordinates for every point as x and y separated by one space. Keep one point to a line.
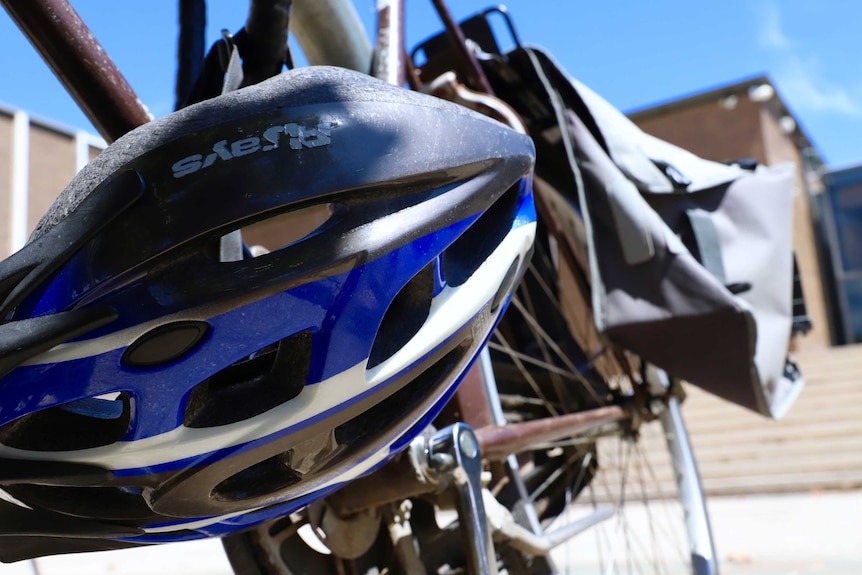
689 262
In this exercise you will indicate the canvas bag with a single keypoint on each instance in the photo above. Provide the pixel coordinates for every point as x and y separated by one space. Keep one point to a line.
689 261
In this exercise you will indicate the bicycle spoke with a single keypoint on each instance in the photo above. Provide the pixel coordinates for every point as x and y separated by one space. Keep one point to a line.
664 528
544 339
526 374
534 362
555 475
546 289
528 305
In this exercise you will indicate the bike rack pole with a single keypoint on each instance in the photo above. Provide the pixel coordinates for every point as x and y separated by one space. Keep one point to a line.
331 33
389 55
476 78
81 64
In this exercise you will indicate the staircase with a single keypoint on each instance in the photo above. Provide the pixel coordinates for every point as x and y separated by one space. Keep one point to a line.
817 446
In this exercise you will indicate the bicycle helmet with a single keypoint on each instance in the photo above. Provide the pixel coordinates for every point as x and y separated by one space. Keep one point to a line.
159 383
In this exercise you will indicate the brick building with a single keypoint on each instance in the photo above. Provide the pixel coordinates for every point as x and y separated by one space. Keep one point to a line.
37 159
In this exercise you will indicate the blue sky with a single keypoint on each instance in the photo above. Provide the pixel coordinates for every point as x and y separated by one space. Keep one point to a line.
633 53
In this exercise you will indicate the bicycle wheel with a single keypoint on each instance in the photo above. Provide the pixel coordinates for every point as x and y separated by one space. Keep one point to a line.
644 471
657 527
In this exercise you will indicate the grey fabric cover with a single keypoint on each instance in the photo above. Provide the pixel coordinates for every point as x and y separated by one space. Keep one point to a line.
651 292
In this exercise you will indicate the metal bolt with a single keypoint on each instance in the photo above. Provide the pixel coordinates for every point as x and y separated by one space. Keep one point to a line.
656 407
467 441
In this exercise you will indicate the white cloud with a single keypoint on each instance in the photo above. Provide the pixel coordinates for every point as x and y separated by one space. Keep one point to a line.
806 89
799 78
771 36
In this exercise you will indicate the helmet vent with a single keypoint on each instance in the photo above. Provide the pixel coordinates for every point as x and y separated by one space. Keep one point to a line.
120 504
404 316
253 385
285 229
322 451
468 252
399 407
82 424
505 286
263 478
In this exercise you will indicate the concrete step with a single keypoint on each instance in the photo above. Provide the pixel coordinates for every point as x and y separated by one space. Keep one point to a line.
704 412
737 477
818 445
767 449
829 355
729 422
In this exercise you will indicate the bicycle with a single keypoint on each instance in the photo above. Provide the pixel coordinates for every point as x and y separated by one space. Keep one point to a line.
561 405
687 475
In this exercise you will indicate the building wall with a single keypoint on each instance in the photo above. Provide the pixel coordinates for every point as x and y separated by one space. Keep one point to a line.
779 148
5 183
719 132
53 162
843 209
52 166
711 130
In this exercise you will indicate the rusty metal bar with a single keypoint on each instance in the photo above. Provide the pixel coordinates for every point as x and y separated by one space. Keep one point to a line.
476 78
497 442
449 88
401 479
411 73
472 401
82 65
389 55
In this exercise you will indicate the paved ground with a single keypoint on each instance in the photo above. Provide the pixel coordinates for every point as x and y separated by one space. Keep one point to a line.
803 534
790 534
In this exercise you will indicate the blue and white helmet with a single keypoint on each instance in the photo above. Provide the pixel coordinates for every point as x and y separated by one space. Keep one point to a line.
158 382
